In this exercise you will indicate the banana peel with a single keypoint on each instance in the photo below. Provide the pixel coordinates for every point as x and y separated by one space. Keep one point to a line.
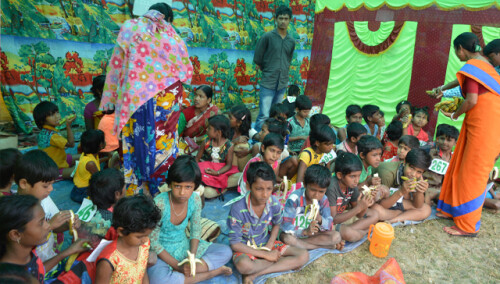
254 246
314 207
412 188
74 233
285 184
192 260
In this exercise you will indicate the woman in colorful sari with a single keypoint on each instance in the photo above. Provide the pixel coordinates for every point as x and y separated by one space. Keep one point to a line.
464 186
144 82
193 121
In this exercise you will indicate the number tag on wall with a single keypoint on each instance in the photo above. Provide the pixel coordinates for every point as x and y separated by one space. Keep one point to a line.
439 166
87 210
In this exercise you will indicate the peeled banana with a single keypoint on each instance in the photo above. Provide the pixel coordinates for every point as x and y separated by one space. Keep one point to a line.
191 258
66 118
449 105
254 246
367 191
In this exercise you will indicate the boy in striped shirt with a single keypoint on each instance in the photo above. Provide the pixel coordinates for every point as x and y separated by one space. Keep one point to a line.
256 250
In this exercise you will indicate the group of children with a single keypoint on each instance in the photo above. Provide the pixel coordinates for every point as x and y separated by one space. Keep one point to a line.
303 184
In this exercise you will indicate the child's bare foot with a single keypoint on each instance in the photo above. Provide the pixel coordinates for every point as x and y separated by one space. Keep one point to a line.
248 279
340 246
226 270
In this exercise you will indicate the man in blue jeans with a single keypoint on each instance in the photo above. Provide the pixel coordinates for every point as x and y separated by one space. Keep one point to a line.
273 55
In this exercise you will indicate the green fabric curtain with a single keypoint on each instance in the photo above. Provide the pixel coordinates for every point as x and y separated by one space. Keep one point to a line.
359 78
336 5
373 38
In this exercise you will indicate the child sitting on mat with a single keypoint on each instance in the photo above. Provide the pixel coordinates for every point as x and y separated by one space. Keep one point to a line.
270 152
391 140
354 131
418 122
299 227
92 143
35 174
343 192
106 187
446 139
125 259
249 220
406 144
407 189
322 142
299 124
8 160
215 157
47 118
169 241
352 114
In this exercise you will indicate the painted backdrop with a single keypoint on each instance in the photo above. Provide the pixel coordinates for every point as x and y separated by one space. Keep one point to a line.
51 49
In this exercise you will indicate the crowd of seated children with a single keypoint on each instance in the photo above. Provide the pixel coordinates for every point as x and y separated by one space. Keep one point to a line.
35 173
8 159
181 207
352 114
299 124
355 131
343 193
215 157
47 119
322 139
92 142
371 116
248 222
391 141
302 229
407 187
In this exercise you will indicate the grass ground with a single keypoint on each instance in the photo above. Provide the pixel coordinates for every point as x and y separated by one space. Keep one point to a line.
425 254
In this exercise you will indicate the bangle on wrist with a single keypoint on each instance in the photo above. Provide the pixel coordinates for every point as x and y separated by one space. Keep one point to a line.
451 117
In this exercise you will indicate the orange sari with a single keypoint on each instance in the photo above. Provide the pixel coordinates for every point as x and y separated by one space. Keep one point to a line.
464 186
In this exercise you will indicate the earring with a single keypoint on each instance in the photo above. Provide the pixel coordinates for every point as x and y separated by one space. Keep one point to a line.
18 241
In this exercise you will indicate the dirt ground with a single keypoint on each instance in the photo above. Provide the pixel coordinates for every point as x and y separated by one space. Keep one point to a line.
425 254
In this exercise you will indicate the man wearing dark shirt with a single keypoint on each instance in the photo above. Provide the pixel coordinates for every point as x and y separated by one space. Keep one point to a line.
273 55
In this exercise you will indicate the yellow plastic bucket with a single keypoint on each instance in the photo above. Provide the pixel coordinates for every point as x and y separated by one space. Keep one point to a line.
381 240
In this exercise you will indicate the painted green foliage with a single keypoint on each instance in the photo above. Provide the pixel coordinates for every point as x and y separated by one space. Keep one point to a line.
220 35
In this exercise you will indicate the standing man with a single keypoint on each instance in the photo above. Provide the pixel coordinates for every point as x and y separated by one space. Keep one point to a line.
273 55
